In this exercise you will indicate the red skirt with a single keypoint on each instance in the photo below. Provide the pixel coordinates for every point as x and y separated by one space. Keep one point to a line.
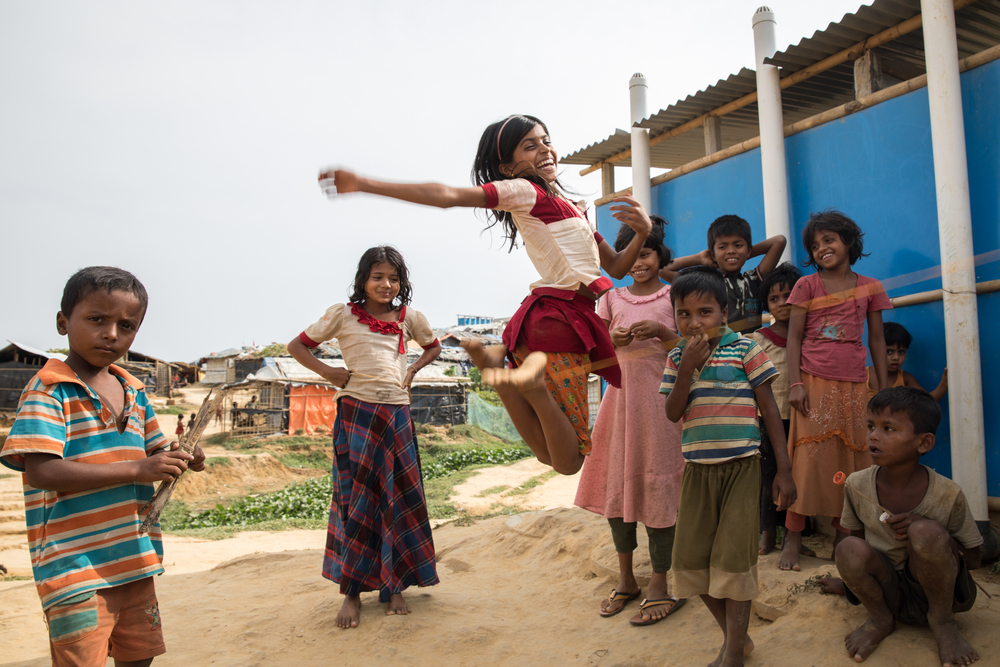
547 321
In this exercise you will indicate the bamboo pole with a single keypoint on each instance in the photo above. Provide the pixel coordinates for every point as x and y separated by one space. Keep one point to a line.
866 102
851 53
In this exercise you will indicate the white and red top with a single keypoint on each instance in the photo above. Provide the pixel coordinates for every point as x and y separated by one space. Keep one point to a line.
375 350
559 240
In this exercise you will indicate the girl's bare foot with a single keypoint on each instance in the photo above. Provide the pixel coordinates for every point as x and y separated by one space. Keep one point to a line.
485 357
789 559
529 375
396 606
953 650
866 638
350 612
720 660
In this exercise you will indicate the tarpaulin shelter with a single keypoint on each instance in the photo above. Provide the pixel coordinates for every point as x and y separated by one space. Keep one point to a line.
310 406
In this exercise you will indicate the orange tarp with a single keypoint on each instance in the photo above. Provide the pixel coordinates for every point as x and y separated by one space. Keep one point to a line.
310 406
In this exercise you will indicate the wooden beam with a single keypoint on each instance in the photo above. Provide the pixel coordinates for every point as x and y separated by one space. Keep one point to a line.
851 53
713 135
867 74
607 179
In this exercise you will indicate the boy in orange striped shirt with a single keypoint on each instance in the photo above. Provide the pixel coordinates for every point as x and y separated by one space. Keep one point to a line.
90 450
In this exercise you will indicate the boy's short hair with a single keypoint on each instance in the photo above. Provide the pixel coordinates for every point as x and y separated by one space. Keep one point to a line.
782 274
919 406
729 225
896 334
699 280
93 278
834 221
654 241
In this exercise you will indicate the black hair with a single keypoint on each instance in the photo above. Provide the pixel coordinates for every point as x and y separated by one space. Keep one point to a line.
782 274
896 334
377 255
699 280
497 148
923 411
654 241
834 221
107 278
729 225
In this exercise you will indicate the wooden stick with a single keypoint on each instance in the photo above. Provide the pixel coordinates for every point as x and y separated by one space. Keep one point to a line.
188 442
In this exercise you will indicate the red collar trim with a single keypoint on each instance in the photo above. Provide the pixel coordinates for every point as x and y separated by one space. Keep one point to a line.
381 326
773 337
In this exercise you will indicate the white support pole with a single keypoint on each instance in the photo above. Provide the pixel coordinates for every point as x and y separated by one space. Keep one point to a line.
958 279
772 130
641 188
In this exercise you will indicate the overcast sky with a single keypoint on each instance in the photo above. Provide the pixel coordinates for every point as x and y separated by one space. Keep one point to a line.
181 141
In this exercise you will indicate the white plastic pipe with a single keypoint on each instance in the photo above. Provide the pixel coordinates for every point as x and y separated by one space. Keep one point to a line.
958 279
772 131
641 188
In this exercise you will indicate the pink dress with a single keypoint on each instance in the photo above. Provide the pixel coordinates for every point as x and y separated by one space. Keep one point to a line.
635 469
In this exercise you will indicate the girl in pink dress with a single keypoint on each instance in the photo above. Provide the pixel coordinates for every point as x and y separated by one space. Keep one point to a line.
634 471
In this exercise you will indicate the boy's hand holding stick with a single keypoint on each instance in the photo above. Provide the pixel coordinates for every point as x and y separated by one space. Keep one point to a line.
188 443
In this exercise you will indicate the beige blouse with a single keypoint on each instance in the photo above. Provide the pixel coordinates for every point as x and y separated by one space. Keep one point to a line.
377 365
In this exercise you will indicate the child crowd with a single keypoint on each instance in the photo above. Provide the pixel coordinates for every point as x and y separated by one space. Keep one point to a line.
713 433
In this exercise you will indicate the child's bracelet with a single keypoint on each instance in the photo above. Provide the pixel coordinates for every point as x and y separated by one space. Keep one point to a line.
796 384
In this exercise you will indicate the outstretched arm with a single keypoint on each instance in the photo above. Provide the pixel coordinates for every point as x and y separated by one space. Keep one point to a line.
428 194
703 258
938 391
771 249
629 212
338 377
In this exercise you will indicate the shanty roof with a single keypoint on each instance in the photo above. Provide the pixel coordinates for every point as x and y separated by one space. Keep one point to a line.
7 353
977 27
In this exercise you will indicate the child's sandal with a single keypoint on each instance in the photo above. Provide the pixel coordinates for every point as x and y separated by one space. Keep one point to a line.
615 596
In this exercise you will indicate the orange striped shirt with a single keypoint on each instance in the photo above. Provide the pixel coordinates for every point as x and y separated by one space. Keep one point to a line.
80 542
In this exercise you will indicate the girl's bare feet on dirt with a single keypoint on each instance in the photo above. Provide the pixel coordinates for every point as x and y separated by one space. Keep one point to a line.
790 549
350 612
529 375
396 606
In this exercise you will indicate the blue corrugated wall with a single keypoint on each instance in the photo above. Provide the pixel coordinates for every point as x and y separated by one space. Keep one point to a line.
877 167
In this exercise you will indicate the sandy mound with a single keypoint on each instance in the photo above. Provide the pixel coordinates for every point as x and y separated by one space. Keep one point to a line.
243 473
518 590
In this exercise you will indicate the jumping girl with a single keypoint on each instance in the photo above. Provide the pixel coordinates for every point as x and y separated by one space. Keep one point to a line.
379 537
635 471
826 371
555 338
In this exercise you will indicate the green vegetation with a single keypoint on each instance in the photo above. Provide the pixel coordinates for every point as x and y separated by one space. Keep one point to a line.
484 392
317 459
537 480
467 458
218 461
59 350
5 475
273 350
15 577
174 410
493 490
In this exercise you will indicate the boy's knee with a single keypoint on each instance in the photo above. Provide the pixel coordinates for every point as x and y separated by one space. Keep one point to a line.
926 538
852 554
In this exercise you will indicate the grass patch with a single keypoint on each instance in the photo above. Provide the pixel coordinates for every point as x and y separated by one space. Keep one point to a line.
14 577
492 491
467 458
225 532
218 461
5 475
537 480
316 459
175 410
437 493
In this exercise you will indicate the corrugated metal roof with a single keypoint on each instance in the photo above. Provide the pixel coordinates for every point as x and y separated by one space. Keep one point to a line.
977 28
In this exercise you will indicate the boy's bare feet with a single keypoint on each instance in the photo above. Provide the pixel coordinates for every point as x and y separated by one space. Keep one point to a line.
867 637
350 612
768 539
791 545
720 660
396 606
485 357
952 647
529 375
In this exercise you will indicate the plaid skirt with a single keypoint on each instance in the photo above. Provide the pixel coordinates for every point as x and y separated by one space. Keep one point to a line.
378 537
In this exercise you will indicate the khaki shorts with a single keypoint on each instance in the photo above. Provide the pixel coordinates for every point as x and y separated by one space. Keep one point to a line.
121 621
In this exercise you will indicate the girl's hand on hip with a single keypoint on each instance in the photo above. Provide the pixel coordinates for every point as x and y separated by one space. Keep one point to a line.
645 329
798 399
620 336
346 181
411 373
631 213
338 377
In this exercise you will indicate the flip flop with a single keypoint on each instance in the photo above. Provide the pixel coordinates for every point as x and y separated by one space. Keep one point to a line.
613 597
674 603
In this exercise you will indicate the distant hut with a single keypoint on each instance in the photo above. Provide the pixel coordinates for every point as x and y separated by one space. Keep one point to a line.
18 364
220 367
